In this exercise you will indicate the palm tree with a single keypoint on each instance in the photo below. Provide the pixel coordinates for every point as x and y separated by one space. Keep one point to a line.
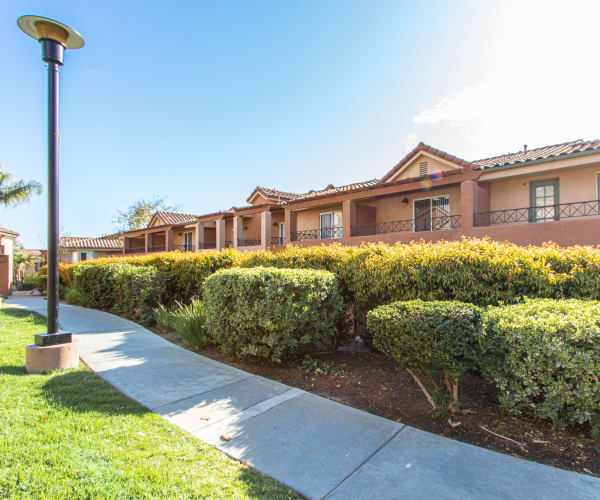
13 193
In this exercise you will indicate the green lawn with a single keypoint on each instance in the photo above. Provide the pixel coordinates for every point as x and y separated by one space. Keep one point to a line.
71 435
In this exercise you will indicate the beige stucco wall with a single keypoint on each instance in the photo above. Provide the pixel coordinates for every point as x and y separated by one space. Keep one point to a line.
391 208
574 185
412 169
310 219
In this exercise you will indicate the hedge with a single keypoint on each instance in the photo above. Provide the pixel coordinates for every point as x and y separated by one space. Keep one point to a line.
269 312
544 355
428 338
128 290
481 272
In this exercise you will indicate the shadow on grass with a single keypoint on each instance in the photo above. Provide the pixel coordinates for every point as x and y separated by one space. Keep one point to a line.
13 370
23 313
83 391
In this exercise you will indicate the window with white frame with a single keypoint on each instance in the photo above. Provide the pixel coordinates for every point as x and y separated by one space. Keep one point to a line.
188 241
330 225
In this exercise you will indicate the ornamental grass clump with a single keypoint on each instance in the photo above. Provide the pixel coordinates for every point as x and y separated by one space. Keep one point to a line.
436 342
544 356
188 320
272 313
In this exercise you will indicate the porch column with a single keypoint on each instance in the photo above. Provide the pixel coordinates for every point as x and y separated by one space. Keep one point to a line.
147 236
290 225
199 243
348 218
265 230
238 230
220 233
169 240
469 204
125 244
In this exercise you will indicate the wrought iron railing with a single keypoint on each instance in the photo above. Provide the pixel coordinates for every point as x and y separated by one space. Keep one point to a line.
537 214
184 248
157 248
325 233
135 250
417 224
277 241
248 242
207 245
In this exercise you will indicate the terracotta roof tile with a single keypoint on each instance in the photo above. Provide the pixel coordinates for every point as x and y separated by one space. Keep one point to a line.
553 151
331 189
95 243
31 252
8 231
273 194
168 218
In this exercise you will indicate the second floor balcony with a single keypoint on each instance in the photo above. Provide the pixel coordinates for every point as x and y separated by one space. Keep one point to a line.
324 233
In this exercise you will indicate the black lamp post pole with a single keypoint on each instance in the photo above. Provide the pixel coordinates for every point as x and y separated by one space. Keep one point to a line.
52 53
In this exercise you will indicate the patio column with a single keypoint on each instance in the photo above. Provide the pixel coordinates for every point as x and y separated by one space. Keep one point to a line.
169 240
348 218
474 197
265 230
125 244
199 240
146 242
220 233
238 230
290 225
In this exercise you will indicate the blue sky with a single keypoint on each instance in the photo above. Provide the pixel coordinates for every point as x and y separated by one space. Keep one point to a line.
199 102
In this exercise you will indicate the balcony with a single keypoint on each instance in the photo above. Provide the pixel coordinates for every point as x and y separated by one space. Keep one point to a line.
249 242
277 241
184 248
207 245
157 248
325 233
135 250
419 224
546 213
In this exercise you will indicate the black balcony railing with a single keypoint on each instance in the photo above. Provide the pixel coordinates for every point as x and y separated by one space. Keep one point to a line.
208 245
135 250
277 241
184 248
444 222
157 248
546 213
248 242
325 233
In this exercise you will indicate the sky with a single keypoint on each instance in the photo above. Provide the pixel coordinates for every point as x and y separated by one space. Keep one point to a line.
199 102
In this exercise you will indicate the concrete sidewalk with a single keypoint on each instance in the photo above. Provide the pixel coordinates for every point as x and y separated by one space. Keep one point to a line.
316 446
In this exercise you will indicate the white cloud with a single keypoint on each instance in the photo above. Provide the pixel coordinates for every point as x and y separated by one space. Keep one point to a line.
409 142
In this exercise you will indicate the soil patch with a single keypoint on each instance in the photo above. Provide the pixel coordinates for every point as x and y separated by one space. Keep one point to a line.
373 383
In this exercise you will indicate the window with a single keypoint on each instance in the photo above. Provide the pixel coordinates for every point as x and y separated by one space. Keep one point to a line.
188 244
330 225
83 256
423 168
432 214
282 233
544 198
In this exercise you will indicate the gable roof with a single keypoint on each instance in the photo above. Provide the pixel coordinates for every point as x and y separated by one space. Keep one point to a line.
422 147
272 194
32 252
8 232
553 151
95 243
331 189
172 218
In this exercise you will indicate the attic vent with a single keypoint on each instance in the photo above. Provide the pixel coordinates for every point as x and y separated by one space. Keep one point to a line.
423 168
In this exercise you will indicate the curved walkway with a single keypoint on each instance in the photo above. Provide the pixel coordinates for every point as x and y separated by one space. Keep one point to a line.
316 446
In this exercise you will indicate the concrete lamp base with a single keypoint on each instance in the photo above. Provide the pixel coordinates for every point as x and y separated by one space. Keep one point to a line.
44 359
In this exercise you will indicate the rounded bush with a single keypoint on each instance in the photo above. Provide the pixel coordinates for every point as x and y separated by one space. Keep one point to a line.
269 312
544 355
76 297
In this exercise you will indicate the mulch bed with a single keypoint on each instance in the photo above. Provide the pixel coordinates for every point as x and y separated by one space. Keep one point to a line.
373 383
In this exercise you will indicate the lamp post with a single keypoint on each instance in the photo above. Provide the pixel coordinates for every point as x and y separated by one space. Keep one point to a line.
54 38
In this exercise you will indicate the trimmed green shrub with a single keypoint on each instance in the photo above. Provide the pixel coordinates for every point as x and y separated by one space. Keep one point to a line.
271 313
544 355
76 297
30 281
427 338
188 320
97 283
137 290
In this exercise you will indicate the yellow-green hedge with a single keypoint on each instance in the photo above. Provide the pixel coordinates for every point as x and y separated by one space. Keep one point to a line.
481 272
